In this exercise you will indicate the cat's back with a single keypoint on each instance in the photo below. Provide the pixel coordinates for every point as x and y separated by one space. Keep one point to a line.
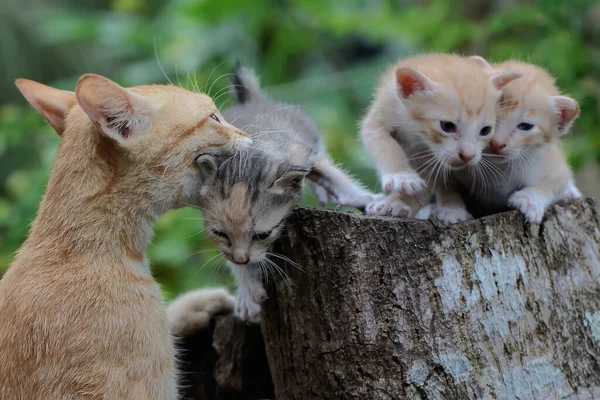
278 129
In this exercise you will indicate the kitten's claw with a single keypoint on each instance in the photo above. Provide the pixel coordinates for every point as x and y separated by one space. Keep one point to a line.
249 301
531 203
388 207
449 215
194 310
406 183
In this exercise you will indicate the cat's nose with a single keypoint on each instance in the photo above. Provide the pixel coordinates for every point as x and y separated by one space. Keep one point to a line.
465 157
240 257
497 146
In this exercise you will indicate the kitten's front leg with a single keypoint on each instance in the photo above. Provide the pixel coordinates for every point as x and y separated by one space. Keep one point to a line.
397 176
449 208
251 293
193 311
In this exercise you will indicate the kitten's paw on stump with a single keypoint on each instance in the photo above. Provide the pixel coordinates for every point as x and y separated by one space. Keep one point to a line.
531 203
388 208
569 194
450 215
249 301
408 183
194 310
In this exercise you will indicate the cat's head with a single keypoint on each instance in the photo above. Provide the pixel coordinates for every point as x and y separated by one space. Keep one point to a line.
148 137
249 196
531 111
451 104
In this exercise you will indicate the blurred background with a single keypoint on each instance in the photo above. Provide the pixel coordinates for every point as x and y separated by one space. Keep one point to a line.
323 55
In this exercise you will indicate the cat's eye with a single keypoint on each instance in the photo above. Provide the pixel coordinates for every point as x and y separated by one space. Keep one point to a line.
215 117
524 126
448 126
220 234
262 236
485 131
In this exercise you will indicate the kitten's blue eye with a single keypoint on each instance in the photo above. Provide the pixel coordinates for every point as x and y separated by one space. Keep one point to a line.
262 236
524 126
215 117
448 126
485 131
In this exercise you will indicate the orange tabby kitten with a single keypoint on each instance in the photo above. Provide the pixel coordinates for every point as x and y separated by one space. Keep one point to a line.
81 315
432 114
532 116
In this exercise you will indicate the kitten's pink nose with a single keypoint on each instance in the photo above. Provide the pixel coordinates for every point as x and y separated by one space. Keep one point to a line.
497 146
240 256
465 157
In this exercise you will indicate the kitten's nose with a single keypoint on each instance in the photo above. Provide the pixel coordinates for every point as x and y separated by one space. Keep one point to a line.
240 257
497 146
465 157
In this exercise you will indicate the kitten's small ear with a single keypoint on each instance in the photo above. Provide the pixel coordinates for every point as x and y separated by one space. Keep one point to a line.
119 113
290 181
501 80
52 104
567 110
208 168
410 82
481 61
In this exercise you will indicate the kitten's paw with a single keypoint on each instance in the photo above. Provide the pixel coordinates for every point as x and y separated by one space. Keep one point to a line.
449 215
249 301
424 212
408 183
569 194
388 207
360 200
194 310
321 194
531 203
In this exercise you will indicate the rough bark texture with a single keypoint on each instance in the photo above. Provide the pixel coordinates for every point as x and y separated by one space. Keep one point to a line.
225 362
388 309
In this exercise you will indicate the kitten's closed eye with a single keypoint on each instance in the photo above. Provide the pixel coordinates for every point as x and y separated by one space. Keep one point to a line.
220 234
262 235
215 117
524 126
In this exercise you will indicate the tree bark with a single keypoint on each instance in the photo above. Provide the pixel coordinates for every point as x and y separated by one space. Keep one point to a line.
494 308
227 361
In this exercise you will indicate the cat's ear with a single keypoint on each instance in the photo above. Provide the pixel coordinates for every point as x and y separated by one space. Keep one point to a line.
290 181
501 80
119 113
410 81
208 168
52 104
566 110
481 61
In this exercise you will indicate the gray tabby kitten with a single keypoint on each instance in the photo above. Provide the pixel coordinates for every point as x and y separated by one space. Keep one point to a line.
251 193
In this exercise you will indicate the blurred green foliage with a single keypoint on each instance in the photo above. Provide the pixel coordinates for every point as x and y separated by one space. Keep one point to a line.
323 55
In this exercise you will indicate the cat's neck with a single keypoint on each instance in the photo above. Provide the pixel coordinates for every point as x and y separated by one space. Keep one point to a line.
90 211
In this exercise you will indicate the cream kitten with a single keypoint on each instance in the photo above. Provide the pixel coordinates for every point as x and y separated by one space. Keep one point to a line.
432 115
532 116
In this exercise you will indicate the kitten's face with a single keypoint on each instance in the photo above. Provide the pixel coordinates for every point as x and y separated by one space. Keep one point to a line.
530 115
455 115
246 207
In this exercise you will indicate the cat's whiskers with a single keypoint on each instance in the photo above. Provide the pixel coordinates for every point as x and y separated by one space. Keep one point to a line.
206 262
210 76
288 260
159 64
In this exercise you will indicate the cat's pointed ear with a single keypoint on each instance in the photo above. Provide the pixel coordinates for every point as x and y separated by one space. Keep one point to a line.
566 110
481 61
119 113
208 168
52 104
503 79
410 82
290 181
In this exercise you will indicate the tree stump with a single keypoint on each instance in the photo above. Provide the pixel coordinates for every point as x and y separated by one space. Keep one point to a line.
494 308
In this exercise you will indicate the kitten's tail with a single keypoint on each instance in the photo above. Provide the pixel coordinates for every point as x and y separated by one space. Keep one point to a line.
246 86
